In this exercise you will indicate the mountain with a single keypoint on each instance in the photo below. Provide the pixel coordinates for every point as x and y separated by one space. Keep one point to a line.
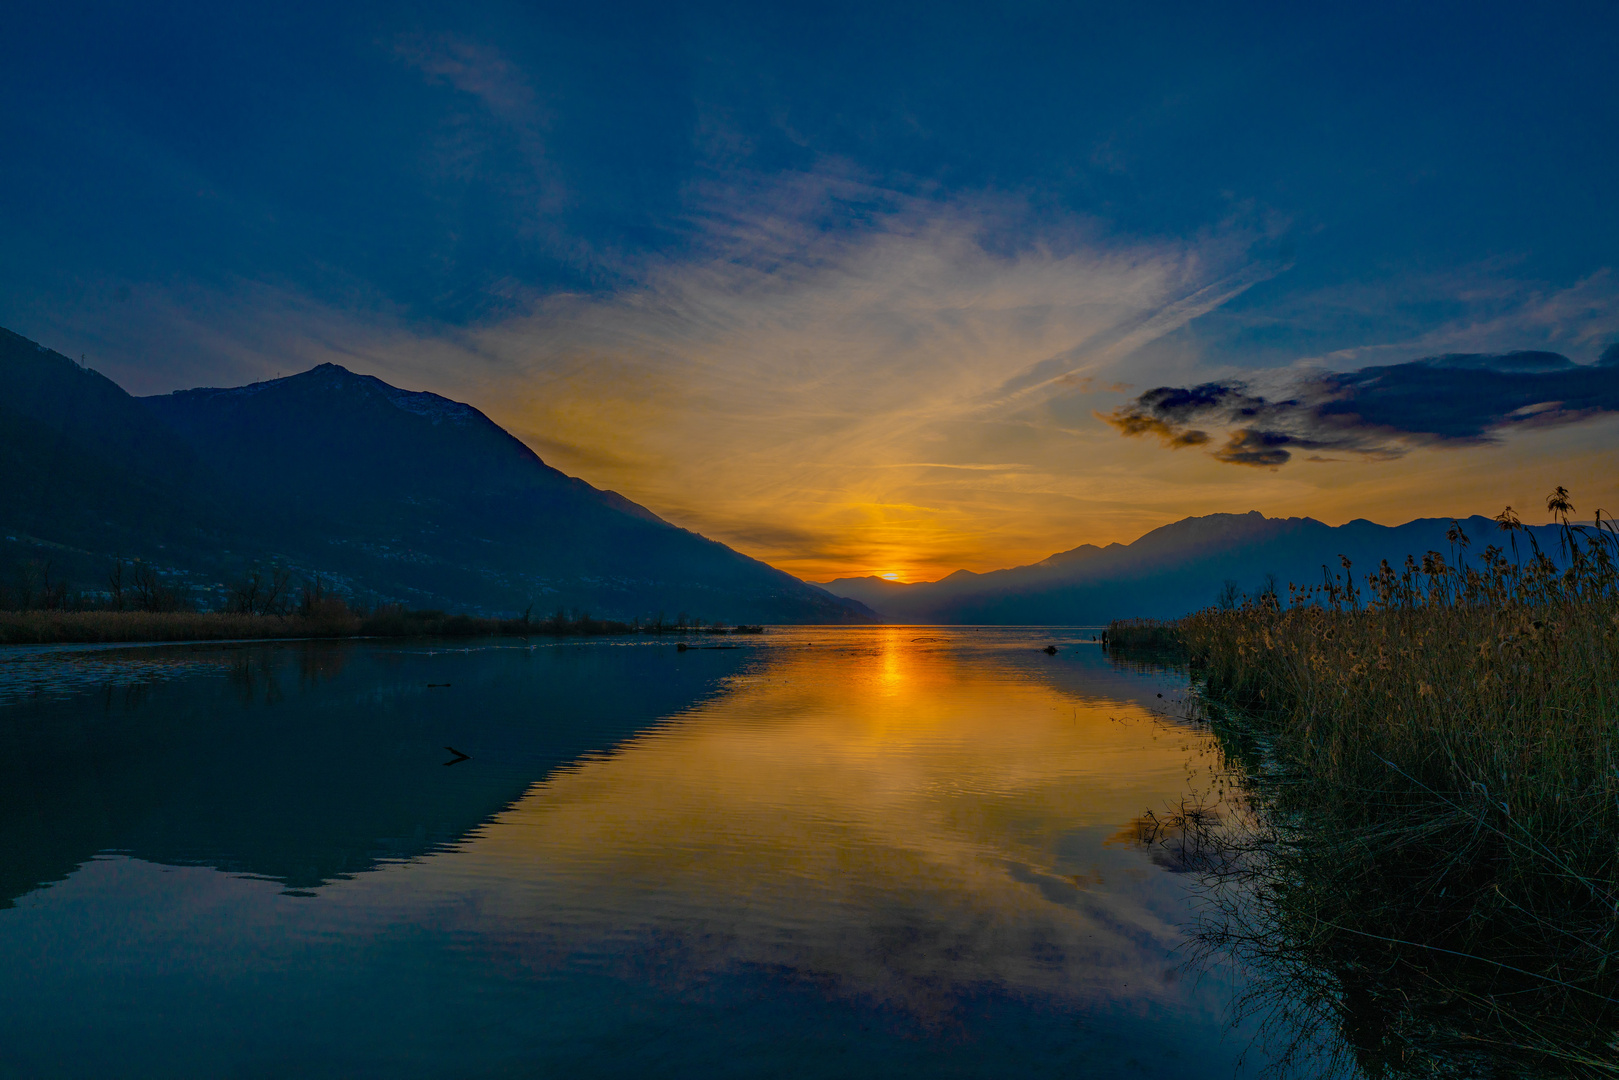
394 495
86 464
1167 573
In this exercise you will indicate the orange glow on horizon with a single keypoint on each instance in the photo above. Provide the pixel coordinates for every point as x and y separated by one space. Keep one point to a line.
916 403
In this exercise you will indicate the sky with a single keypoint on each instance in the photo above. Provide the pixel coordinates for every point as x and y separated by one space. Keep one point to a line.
865 288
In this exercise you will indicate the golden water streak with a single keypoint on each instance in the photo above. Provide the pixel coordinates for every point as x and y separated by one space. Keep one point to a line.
902 820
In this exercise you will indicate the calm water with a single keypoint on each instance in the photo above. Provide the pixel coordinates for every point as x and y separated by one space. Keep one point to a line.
824 852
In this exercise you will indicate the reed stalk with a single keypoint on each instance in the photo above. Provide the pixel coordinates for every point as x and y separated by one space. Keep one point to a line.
1429 847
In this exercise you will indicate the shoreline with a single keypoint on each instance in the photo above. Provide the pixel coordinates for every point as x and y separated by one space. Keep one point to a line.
47 628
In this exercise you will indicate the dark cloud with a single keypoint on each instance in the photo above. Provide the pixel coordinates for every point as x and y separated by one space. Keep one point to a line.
1379 412
1249 447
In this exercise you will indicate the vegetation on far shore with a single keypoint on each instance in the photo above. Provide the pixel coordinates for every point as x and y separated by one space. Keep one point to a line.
139 607
1425 831
64 627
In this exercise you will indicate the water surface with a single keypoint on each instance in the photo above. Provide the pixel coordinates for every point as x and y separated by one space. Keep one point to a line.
890 851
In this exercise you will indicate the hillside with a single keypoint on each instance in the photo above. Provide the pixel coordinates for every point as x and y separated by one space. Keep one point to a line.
394 495
85 464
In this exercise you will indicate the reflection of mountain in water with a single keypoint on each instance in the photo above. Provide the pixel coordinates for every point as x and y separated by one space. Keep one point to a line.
313 761
913 823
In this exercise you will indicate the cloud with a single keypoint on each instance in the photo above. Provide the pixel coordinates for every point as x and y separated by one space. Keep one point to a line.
1378 412
1476 308
476 69
842 378
871 372
1250 447
501 142
866 390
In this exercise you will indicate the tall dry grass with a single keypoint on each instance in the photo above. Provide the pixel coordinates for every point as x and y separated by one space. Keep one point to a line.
1431 755
328 618
56 627
1144 634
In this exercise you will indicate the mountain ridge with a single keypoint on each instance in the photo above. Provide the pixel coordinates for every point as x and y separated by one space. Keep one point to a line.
392 495
1167 572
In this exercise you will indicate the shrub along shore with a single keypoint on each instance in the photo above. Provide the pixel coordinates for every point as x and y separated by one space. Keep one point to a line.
329 620
1426 826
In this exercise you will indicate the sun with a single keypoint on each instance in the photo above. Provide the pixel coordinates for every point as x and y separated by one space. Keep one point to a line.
890 576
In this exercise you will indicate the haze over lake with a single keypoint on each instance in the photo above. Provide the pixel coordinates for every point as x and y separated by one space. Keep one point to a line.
877 850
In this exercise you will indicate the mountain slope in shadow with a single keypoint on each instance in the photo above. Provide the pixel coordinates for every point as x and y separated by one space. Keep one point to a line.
393 495
429 498
85 464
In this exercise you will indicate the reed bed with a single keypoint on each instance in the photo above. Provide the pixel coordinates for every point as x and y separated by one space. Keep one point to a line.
325 619
1137 634
1429 850
56 627
330 621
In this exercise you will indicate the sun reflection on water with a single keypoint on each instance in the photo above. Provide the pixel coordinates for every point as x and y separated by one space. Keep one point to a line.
894 851
941 835
893 663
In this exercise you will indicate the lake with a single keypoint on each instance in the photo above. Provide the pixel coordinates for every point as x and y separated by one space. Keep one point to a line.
874 851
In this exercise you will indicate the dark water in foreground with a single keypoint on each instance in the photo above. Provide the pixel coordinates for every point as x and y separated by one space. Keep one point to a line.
825 852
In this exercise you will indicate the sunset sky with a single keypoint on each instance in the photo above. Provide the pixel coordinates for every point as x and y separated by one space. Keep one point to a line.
866 288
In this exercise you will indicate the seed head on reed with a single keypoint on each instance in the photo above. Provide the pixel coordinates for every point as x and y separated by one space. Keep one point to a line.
1440 777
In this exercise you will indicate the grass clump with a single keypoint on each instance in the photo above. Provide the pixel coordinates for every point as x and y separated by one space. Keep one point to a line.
1430 847
1152 634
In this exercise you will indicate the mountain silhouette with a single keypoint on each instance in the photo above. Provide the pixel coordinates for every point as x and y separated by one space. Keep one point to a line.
88 466
391 495
1169 572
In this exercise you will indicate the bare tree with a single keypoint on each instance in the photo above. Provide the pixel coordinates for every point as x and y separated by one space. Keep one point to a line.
244 594
143 577
314 593
52 597
262 592
320 602
278 596
35 589
28 583
115 584
151 592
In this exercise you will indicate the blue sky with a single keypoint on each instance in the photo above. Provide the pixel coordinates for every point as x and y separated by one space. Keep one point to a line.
521 205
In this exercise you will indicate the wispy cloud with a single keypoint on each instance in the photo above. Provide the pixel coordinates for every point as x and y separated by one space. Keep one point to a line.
501 138
836 380
844 378
476 68
1479 308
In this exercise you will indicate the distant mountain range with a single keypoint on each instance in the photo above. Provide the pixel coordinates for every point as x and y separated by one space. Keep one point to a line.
392 495
1167 573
